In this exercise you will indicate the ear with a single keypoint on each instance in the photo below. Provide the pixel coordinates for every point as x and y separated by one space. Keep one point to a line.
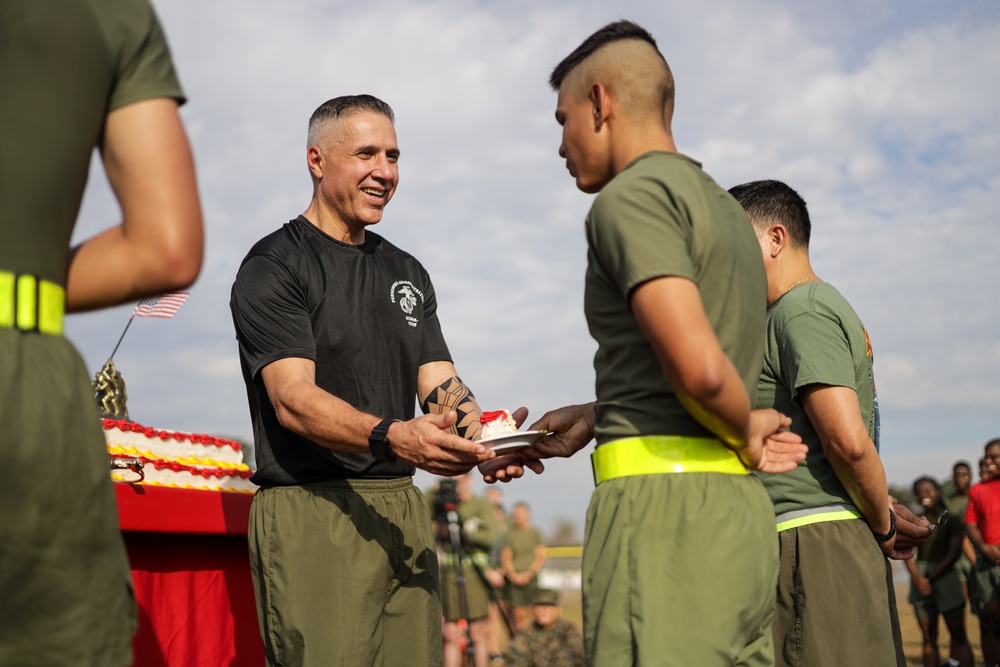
777 239
600 100
314 159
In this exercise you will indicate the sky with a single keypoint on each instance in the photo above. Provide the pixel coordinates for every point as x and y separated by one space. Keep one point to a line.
883 114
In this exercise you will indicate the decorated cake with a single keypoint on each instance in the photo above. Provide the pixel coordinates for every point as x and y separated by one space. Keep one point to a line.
496 424
171 458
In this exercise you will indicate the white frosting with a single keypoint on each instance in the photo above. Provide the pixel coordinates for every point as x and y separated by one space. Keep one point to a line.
498 427
181 450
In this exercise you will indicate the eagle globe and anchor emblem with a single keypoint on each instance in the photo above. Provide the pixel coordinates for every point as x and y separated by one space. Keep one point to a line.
408 296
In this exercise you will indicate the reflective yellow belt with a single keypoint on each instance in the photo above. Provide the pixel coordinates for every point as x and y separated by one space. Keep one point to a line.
30 304
659 454
798 518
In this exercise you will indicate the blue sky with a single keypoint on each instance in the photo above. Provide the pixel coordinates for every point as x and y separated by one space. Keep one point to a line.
884 115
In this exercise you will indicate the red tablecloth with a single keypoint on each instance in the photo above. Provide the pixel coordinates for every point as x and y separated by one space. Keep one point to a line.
191 572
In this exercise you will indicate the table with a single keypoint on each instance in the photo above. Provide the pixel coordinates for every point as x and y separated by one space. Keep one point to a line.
191 573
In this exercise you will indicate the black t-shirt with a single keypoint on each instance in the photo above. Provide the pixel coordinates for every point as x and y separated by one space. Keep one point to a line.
365 314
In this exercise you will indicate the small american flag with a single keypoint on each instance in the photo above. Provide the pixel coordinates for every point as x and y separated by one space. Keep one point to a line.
165 305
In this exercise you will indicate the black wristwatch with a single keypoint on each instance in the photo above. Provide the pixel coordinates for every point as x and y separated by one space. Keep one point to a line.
892 529
378 441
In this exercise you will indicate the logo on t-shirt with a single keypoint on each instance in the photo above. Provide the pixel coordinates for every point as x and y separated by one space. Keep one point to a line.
406 294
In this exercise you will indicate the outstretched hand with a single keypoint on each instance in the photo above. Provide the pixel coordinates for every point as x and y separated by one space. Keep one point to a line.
572 427
427 443
911 531
770 449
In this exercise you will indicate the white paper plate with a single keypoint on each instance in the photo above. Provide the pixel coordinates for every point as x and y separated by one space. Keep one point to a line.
510 441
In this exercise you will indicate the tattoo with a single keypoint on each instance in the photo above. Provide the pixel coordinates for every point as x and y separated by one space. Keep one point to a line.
452 394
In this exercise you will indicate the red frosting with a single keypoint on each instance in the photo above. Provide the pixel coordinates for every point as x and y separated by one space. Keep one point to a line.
149 432
488 417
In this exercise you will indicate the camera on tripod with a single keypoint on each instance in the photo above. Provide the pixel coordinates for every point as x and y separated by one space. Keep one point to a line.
445 500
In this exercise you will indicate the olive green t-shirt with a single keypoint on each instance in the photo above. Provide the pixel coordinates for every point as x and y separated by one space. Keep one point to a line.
813 337
663 216
522 543
63 67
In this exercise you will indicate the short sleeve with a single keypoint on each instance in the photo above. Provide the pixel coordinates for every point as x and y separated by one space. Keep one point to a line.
814 350
144 67
640 233
270 314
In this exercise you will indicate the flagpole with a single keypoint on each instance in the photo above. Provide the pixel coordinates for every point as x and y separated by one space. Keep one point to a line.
121 337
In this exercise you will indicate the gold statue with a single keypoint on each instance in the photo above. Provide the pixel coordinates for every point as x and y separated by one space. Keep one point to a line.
109 392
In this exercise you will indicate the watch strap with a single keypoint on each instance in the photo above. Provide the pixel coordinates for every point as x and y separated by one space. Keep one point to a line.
378 441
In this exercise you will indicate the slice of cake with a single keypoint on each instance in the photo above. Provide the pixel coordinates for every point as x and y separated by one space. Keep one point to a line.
496 424
172 458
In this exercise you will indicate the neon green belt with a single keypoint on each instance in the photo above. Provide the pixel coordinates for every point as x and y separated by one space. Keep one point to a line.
30 304
798 518
660 454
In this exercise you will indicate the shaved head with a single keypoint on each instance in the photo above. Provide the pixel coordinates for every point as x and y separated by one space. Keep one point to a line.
624 58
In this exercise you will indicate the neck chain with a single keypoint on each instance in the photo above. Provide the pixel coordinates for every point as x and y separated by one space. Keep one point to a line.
808 279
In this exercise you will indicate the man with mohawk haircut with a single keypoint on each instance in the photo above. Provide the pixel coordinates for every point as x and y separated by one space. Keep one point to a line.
680 558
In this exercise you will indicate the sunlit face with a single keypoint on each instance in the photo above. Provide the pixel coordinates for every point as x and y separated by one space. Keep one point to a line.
358 157
545 615
581 147
926 494
962 477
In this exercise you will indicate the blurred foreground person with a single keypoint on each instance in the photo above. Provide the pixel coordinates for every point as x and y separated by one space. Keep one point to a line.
338 334
76 75
936 586
674 296
549 640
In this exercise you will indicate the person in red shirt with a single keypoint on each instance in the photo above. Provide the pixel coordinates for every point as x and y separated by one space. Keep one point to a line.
982 519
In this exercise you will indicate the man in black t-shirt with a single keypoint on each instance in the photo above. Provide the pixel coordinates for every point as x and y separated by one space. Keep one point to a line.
337 332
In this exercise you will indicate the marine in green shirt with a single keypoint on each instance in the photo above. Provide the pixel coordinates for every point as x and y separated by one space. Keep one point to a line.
675 297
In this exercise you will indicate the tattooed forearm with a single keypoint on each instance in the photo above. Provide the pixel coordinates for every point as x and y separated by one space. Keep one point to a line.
452 394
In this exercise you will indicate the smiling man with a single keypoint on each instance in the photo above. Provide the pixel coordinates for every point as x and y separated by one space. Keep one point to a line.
338 332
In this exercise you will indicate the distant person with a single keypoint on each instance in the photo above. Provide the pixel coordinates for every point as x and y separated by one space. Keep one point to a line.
936 589
835 522
338 334
982 521
674 296
75 76
549 640
465 593
499 613
521 558
961 479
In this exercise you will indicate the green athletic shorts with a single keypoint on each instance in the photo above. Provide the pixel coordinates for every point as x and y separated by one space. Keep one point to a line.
65 586
679 569
477 594
833 603
986 575
345 573
946 595
521 596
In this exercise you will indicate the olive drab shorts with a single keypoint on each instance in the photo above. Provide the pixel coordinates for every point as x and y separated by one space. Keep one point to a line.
679 569
345 573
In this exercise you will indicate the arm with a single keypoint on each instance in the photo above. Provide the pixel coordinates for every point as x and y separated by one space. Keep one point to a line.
158 246
440 390
306 409
507 562
988 551
836 415
670 313
541 554
920 582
